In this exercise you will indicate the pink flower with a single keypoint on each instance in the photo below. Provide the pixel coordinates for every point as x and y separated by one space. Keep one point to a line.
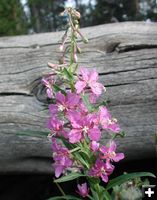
82 126
108 153
101 169
83 190
61 157
107 122
48 82
89 79
64 103
56 127
94 146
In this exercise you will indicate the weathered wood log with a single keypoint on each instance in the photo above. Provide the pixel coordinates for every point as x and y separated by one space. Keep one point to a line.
125 55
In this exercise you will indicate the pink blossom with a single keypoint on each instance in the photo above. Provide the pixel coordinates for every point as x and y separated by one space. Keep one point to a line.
83 190
61 157
89 79
48 82
56 127
108 153
64 103
94 146
101 169
82 126
107 122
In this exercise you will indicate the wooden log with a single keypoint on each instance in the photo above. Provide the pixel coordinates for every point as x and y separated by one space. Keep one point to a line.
125 55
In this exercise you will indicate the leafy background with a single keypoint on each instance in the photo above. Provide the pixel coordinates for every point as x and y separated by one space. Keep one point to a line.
35 16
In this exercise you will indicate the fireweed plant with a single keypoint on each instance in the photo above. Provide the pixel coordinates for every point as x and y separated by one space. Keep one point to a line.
77 122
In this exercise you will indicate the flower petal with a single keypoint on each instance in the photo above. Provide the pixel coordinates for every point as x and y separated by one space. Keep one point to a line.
80 85
94 134
75 136
85 74
60 97
118 157
93 76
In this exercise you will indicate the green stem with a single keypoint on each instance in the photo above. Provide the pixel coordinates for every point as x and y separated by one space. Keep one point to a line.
73 42
75 149
60 189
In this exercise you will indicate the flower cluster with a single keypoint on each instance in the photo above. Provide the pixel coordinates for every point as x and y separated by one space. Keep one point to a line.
73 122
78 120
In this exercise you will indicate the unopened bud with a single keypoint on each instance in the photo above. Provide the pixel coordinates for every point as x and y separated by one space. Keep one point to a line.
85 40
78 49
52 65
61 47
75 57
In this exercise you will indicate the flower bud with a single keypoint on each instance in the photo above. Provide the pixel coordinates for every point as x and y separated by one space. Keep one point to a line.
61 47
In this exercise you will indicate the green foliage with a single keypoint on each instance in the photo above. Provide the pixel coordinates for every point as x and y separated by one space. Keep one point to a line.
33 133
66 197
43 16
126 177
68 177
130 190
12 18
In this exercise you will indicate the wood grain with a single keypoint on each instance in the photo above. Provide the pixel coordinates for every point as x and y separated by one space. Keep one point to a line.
125 55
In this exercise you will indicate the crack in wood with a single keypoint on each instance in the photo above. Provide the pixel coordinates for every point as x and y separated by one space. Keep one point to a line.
133 47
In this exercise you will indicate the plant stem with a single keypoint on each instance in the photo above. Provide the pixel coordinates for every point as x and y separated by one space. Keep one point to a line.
60 189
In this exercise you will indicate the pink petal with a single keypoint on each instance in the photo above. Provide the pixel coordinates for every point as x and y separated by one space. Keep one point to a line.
60 97
93 76
75 136
104 178
94 134
85 74
58 170
113 146
53 109
114 127
49 93
74 117
94 146
118 157
104 149
72 99
97 88
104 113
80 85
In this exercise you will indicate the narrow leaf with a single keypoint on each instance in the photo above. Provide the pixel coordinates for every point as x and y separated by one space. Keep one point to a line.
68 177
57 89
106 195
87 103
126 177
68 74
33 133
67 197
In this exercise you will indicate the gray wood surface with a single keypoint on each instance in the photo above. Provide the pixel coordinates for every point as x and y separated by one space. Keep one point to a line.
125 55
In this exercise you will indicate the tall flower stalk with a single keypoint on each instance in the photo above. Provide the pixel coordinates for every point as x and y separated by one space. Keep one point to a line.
78 120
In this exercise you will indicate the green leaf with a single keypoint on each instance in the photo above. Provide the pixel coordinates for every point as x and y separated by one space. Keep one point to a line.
33 133
81 159
57 89
70 146
67 197
87 102
94 194
126 177
68 177
68 74
106 195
